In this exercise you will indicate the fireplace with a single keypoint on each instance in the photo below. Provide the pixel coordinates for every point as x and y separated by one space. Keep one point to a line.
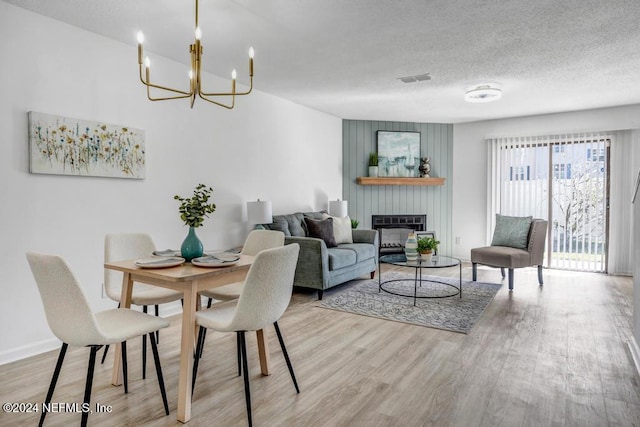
394 230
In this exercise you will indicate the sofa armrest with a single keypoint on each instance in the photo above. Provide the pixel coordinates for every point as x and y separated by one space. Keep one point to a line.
312 269
365 236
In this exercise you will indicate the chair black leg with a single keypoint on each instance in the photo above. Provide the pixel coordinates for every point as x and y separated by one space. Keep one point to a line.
197 356
54 380
286 356
320 293
125 378
104 355
106 349
502 271
209 302
87 388
157 332
156 360
540 275
239 354
511 278
144 350
245 373
474 271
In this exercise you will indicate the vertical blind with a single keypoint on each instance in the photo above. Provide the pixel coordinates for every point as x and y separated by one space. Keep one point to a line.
560 178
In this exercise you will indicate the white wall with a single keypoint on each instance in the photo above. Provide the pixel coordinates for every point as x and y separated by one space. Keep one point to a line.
470 151
266 148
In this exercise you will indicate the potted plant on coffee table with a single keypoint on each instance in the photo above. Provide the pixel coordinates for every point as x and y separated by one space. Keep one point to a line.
426 247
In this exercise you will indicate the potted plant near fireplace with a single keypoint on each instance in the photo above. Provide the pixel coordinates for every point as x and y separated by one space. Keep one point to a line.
426 247
373 164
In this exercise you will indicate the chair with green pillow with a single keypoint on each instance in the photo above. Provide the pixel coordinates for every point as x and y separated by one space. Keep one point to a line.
517 242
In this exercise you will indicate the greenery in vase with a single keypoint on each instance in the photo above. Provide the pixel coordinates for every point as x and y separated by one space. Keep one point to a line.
354 223
426 244
194 209
373 159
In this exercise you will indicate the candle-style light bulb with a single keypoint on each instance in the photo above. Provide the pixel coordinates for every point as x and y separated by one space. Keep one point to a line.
198 33
251 53
190 74
233 81
147 62
140 41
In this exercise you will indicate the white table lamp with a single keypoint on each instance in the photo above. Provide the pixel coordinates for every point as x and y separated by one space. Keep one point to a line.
259 212
338 208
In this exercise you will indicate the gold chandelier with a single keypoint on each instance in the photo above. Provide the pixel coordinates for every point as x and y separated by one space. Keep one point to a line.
195 73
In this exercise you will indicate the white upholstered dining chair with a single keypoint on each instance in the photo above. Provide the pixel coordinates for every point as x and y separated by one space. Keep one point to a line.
257 240
264 299
72 322
122 246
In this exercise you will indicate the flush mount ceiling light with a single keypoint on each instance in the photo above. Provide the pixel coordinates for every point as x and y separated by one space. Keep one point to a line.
195 75
482 93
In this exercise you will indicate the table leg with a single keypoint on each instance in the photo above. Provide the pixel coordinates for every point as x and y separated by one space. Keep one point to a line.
125 302
263 351
186 353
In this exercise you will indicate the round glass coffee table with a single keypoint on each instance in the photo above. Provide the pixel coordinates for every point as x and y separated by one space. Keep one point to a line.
438 261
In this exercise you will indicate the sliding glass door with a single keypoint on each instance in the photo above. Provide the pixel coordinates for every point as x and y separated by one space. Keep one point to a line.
561 179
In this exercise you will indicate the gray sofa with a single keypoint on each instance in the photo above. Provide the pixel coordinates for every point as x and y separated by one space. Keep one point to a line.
320 267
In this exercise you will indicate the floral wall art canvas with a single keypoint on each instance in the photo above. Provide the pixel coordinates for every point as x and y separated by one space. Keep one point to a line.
66 146
398 153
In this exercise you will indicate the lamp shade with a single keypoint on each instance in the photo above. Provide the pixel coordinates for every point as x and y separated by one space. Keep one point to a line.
338 208
259 212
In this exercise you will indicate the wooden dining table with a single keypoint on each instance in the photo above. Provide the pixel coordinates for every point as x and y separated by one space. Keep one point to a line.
189 279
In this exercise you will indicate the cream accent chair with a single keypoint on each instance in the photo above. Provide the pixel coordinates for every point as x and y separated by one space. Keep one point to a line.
73 322
122 246
257 240
264 299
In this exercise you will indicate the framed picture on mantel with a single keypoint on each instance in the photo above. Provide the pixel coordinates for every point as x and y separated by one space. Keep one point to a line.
398 153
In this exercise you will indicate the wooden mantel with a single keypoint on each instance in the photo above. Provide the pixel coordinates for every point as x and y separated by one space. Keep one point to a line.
366 180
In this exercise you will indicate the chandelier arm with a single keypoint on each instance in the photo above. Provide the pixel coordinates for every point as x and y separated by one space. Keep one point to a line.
229 107
149 84
201 93
165 97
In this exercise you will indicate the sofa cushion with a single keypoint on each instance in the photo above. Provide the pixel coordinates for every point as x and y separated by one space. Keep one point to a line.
322 229
362 250
279 224
340 258
511 231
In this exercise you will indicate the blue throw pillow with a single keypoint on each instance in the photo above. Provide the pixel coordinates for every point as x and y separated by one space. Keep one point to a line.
512 231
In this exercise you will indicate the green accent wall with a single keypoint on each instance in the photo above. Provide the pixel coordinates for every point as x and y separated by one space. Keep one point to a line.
436 141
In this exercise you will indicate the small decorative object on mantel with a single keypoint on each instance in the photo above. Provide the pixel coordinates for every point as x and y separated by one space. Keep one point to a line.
426 246
425 167
373 164
410 248
193 210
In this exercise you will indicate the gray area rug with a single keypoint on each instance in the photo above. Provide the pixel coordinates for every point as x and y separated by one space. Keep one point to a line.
452 314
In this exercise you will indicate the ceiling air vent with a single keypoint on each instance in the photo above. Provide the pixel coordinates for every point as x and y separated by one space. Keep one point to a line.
416 78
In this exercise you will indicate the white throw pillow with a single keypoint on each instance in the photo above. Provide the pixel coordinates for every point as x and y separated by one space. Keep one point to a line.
341 229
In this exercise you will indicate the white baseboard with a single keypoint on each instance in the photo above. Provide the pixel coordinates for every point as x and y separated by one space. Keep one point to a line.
635 353
29 350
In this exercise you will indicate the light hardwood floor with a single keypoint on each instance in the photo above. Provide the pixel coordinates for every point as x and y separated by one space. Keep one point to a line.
539 356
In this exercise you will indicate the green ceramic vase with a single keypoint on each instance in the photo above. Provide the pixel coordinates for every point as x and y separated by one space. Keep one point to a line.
192 246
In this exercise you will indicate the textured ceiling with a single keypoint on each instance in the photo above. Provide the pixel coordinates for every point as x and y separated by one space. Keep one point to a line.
344 57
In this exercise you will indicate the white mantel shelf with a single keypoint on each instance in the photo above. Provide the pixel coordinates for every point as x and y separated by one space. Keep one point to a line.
366 180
